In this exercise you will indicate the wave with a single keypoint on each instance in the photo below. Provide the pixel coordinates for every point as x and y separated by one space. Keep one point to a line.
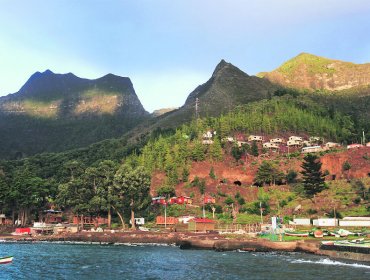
331 262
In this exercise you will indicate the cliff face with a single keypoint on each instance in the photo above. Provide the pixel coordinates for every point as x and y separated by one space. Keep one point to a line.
307 71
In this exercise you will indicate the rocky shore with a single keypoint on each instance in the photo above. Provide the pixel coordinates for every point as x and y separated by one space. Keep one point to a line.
208 241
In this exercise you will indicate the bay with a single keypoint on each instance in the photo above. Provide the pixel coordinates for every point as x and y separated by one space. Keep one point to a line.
87 261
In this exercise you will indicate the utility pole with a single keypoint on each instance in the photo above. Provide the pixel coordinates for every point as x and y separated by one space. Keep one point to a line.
197 108
261 212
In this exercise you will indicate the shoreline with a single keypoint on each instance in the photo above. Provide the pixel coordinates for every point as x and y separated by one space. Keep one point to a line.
200 241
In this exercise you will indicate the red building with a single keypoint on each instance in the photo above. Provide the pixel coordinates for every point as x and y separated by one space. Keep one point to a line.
184 200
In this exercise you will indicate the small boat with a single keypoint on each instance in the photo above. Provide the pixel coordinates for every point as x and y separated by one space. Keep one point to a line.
318 234
296 233
5 260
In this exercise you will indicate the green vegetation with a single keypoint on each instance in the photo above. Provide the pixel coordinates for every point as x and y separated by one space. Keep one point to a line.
313 179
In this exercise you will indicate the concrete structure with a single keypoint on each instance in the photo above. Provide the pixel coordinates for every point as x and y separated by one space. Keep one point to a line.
256 138
301 222
166 220
355 222
325 222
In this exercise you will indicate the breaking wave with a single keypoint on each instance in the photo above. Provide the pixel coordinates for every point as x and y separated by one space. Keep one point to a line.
331 262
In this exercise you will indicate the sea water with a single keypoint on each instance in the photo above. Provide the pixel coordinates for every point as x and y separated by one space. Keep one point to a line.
94 261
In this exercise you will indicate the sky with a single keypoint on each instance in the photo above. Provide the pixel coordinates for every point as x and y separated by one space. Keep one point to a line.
169 47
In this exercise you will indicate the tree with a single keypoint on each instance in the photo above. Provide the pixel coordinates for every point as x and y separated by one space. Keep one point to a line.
216 150
254 149
291 177
346 168
166 191
212 173
313 179
134 184
268 174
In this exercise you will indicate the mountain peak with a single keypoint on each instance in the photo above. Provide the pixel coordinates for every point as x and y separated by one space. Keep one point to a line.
308 71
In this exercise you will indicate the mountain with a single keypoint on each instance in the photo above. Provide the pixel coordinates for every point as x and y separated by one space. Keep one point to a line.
307 71
227 88
55 112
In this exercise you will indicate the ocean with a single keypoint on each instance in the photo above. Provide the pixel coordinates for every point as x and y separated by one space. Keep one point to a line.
94 261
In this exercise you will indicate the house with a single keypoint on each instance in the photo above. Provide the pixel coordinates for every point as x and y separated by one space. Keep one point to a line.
277 140
4 220
294 143
306 143
368 144
331 145
354 146
184 200
207 137
228 139
295 138
271 146
52 216
160 220
172 200
138 221
240 143
312 149
315 140
201 224
159 200
255 138
209 199
89 220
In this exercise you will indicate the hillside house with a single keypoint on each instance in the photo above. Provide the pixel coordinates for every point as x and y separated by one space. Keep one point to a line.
312 149
277 140
271 146
207 137
256 138
354 146
295 138
228 139
306 143
184 200
294 141
315 140
291 143
240 143
331 145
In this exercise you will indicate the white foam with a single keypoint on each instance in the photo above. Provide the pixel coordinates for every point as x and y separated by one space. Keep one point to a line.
331 262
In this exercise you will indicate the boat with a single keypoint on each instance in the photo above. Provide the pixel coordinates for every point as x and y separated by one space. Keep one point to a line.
296 233
318 233
5 260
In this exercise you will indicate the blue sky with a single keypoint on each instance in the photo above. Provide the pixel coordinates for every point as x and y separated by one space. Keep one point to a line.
168 47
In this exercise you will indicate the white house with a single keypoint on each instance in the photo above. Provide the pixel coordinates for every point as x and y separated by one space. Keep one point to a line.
312 149
272 146
255 138
295 138
277 140
331 145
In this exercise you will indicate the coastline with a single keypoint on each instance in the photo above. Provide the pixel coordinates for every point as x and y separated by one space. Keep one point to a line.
202 241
